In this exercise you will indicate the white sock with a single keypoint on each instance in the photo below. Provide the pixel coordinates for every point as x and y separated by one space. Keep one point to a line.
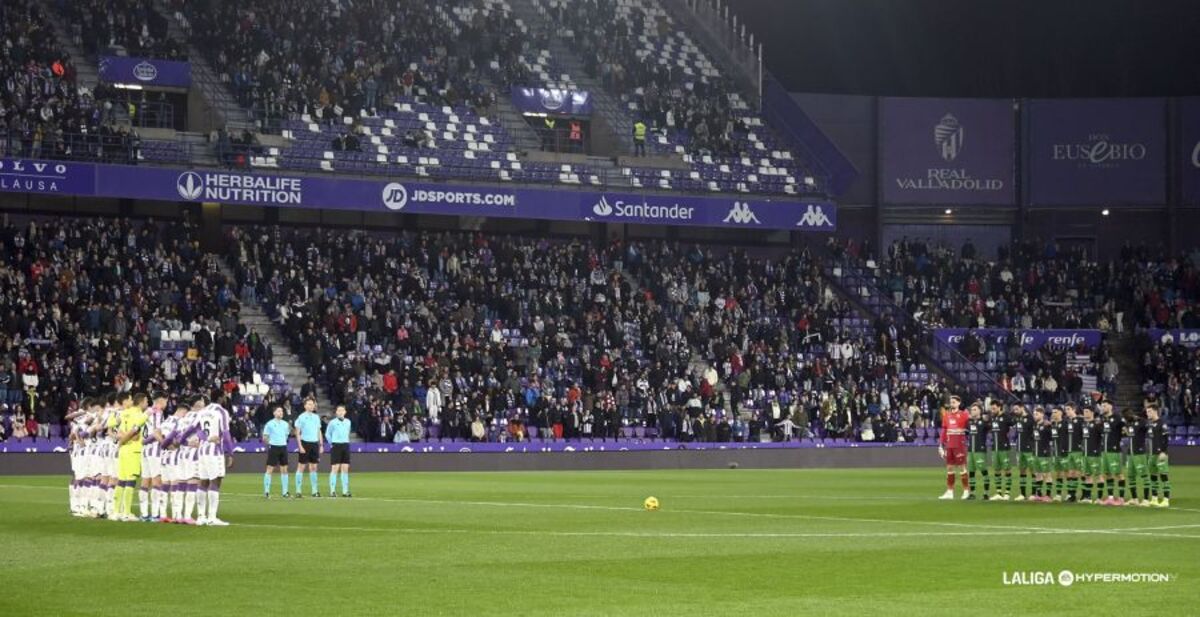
156 503
214 502
110 501
201 502
143 502
92 500
177 503
189 503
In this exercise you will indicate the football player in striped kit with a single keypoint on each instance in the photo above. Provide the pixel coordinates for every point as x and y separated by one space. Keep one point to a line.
214 456
151 498
77 437
169 461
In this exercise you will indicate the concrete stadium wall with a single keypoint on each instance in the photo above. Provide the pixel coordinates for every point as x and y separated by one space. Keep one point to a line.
798 458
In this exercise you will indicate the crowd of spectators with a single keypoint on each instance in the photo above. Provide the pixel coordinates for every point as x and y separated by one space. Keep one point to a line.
1171 374
1031 284
488 338
667 99
85 304
43 114
284 58
106 26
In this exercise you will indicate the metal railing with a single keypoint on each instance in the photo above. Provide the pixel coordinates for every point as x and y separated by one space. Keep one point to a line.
739 45
97 147
973 378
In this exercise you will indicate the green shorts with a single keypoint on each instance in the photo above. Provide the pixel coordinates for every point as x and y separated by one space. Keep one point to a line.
977 461
1075 461
1001 460
1135 467
1060 463
1026 460
1158 464
1111 463
1044 464
1092 466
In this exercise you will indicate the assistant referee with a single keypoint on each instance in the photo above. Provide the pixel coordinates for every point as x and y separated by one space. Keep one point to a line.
337 433
275 435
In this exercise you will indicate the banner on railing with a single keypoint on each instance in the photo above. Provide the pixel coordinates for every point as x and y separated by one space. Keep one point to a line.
552 101
1179 336
947 151
402 195
1097 152
145 72
1030 340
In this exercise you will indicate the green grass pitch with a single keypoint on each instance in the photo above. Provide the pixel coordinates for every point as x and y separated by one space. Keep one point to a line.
726 542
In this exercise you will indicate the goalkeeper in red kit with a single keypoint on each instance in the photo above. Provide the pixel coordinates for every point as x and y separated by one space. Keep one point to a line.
952 445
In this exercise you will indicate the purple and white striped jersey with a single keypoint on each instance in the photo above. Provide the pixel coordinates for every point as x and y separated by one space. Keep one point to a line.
187 435
150 445
213 421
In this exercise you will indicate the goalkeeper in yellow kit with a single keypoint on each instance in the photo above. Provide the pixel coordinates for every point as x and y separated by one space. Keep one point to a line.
129 454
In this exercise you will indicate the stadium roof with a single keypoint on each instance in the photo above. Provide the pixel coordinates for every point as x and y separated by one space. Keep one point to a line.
1018 48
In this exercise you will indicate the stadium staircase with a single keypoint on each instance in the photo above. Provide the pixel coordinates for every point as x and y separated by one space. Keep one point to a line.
286 362
220 98
87 74
608 107
1124 348
855 285
524 138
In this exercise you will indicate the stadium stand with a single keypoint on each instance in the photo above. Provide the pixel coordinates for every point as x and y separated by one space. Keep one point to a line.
91 305
550 334
1171 371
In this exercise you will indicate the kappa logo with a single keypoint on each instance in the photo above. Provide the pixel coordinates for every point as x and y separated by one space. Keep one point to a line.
190 185
948 136
741 214
395 196
145 71
814 216
602 207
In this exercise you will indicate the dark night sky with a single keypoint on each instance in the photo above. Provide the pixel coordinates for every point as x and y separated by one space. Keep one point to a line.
1010 48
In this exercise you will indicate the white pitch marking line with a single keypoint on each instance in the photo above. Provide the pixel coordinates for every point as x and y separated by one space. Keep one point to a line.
1010 528
637 534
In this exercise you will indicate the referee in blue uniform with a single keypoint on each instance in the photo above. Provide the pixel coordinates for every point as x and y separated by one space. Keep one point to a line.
310 446
275 435
337 433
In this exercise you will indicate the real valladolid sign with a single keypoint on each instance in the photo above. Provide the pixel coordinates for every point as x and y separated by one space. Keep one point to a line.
947 151
165 184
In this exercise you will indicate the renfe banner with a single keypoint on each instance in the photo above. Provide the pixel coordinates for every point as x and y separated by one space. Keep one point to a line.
552 101
1189 147
1097 152
1031 340
947 151
1179 336
145 71
402 195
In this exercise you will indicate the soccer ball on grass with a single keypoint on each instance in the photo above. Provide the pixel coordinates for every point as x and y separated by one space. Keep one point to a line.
651 503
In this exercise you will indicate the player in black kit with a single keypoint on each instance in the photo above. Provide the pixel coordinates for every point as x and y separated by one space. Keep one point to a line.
1026 457
977 431
1001 423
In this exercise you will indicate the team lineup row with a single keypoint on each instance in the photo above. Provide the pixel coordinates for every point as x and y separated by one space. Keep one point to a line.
1061 453
175 462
